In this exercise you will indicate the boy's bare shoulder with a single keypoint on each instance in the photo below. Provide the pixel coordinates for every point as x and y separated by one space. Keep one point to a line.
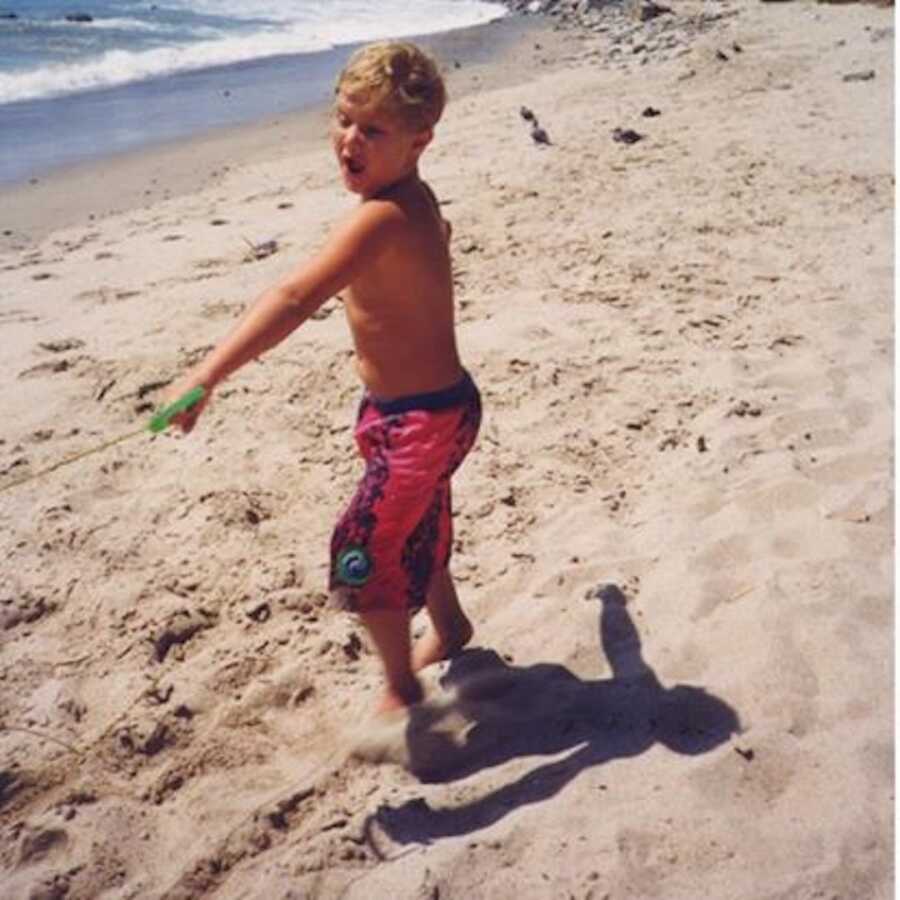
378 212
371 224
395 216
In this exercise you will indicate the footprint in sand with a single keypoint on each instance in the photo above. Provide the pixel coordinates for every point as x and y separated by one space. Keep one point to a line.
39 843
51 367
105 295
212 262
24 609
785 342
222 309
62 345
17 317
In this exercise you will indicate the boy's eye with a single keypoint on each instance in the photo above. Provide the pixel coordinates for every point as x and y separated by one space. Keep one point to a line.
372 131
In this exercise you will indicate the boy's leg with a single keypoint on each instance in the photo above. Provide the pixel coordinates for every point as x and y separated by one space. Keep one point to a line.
450 628
389 630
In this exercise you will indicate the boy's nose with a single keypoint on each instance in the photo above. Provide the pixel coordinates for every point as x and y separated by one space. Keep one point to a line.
352 135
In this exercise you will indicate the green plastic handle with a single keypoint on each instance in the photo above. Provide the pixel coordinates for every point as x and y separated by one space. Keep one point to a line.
162 419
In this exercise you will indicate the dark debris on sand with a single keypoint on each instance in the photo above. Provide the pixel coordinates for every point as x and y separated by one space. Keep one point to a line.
630 30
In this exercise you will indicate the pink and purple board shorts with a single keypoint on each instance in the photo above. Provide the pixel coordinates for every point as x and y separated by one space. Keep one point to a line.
397 530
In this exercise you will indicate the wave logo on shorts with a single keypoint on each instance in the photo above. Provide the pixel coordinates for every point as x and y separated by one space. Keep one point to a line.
354 566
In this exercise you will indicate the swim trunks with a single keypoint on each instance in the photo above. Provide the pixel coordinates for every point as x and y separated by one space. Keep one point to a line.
398 525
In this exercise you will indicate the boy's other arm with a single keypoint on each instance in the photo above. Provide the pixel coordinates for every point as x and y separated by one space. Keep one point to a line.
352 248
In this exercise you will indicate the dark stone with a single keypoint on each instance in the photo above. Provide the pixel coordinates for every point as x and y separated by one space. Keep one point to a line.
538 135
651 10
626 136
868 75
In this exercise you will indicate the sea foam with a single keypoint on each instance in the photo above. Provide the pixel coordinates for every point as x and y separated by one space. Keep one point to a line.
277 28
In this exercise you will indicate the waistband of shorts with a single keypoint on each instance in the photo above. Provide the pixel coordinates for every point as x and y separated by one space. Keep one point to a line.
431 401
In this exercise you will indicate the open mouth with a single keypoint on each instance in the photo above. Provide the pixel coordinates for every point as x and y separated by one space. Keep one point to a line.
354 166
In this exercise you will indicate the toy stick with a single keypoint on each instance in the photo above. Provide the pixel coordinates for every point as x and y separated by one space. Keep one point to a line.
159 422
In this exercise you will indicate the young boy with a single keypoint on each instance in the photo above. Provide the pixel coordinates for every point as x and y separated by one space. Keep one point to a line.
420 410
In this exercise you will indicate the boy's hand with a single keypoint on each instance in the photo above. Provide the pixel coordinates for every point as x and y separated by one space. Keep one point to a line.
187 419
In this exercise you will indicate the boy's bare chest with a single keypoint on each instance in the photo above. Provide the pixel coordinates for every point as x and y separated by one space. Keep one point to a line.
399 285
373 308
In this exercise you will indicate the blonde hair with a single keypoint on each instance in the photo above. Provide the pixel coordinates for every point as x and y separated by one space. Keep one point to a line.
397 77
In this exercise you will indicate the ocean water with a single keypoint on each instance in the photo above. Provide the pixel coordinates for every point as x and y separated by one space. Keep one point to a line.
141 72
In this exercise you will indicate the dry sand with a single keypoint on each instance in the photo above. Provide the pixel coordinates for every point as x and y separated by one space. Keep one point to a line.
675 535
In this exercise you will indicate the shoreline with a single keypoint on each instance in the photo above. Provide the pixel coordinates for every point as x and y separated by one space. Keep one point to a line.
74 126
68 193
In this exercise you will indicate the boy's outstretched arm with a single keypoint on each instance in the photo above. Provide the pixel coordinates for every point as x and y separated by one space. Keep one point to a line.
352 247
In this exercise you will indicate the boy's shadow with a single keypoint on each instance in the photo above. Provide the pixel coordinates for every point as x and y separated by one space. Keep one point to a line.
500 712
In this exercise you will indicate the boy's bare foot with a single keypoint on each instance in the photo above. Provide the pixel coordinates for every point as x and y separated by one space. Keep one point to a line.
433 647
394 699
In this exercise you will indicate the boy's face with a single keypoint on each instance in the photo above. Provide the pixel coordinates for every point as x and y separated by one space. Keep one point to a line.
374 149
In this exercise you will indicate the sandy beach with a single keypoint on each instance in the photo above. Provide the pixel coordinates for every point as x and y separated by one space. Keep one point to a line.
675 535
